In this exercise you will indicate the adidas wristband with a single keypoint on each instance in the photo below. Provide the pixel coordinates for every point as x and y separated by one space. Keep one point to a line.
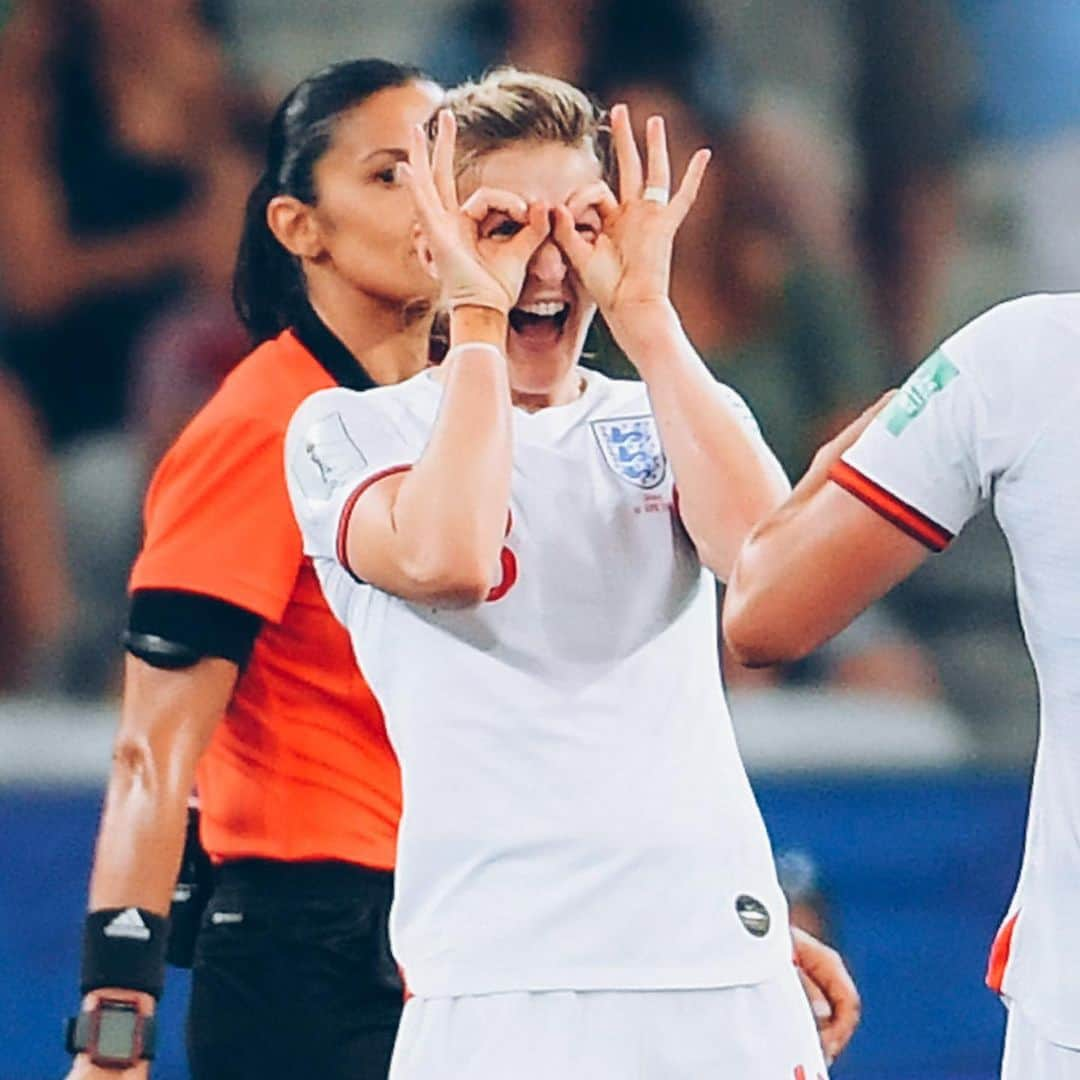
124 948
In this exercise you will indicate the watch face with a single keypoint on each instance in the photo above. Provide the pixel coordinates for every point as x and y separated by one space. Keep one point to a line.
116 1034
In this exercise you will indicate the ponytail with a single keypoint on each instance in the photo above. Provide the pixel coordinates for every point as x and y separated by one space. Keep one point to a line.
268 286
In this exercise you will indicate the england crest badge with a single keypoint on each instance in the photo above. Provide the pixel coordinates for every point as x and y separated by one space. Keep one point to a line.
631 448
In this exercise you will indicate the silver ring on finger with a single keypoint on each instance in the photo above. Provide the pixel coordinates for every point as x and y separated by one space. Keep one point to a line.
656 194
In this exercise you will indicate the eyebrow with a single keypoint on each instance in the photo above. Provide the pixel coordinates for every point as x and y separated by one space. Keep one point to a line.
396 152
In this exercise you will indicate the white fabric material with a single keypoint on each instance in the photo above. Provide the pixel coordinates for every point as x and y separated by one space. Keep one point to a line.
576 812
762 1032
1005 428
1029 1056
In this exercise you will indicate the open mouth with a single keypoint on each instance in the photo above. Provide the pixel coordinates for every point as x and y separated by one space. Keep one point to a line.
541 322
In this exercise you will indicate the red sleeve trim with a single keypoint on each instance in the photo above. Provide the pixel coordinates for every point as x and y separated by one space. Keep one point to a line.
347 509
903 516
999 955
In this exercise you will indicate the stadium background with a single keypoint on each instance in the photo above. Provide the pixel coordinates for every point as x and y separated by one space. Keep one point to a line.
890 168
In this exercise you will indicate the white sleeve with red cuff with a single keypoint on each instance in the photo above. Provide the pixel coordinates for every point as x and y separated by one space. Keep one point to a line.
962 420
338 444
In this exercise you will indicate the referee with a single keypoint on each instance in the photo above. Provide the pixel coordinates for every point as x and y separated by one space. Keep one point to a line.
236 667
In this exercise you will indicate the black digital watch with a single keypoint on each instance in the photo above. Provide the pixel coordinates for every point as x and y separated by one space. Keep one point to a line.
113 1033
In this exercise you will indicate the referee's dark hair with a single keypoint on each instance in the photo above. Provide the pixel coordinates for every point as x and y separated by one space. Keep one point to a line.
268 285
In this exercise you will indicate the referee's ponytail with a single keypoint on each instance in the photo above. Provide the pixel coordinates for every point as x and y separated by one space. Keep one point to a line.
268 283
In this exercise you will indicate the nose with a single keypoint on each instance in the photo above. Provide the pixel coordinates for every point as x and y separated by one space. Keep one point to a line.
548 265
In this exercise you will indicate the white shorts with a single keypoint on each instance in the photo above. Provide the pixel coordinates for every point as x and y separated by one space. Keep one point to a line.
762 1032
1029 1056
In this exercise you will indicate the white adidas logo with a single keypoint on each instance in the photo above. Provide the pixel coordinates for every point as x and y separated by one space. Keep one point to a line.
128 924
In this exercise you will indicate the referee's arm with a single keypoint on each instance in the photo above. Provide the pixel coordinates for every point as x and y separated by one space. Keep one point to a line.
167 719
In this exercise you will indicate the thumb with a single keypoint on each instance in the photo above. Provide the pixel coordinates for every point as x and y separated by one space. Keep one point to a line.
576 248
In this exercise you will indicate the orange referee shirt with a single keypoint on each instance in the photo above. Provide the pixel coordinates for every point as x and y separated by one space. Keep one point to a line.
300 768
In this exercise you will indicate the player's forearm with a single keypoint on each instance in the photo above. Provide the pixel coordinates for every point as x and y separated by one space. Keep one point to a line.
453 504
769 613
726 480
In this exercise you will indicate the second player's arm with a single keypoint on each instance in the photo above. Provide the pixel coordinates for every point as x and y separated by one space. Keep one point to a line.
814 564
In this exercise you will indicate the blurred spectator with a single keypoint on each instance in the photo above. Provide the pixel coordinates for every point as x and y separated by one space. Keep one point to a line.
125 182
34 599
859 124
126 176
1029 105
912 111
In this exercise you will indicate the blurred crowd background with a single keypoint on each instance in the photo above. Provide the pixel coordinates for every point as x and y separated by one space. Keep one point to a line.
883 171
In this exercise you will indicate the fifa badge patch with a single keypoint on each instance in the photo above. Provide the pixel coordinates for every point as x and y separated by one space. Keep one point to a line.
632 450
329 458
928 379
753 914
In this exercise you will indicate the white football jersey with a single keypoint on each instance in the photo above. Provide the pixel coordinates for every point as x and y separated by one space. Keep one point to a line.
994 415
576 814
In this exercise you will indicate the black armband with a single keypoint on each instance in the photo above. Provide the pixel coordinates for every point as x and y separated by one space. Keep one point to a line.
172 629
124 948
159 652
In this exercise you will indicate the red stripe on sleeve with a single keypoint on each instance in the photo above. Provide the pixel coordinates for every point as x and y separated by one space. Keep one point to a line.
903 516
999 955
347 509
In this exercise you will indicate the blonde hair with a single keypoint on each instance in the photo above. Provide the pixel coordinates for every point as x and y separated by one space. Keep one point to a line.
510 106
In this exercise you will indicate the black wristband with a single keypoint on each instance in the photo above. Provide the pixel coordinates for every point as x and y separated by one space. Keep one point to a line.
124 948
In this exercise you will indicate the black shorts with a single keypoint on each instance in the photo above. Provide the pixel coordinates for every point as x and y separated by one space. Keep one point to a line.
293 976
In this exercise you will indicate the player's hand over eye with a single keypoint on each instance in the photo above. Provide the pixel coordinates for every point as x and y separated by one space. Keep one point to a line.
833 996
480 250
626 264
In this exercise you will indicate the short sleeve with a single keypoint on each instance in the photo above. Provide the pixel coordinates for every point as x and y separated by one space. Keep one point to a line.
963 418
218 521
338 444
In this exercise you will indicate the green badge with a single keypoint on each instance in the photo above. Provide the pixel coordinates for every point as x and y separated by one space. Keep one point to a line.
930 377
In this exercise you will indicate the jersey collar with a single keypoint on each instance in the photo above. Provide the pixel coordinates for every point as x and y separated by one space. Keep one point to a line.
330 351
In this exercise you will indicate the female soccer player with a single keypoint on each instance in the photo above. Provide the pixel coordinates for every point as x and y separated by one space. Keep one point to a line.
532 600
234 652
988 417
